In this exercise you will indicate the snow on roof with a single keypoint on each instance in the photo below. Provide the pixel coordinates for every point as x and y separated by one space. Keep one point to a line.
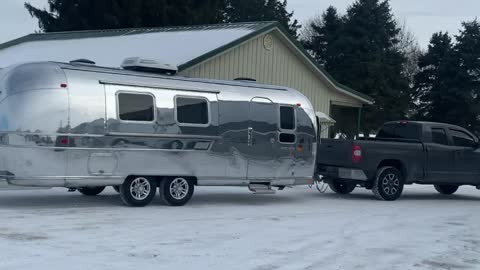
175 46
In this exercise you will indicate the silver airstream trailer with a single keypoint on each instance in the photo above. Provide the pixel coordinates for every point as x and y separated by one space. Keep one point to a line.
86 127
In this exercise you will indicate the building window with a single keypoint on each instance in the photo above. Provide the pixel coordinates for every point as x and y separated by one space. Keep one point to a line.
287 118
136 107
192 111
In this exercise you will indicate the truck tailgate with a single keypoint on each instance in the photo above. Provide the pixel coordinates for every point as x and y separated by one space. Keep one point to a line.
334 152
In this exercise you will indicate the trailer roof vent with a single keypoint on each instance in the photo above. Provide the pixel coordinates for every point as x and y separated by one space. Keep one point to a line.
82 61
147 65
245 79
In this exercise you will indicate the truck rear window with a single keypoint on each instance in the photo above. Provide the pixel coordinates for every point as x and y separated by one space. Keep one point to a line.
400 131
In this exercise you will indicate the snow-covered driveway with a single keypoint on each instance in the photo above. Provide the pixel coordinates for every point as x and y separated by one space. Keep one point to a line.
228 228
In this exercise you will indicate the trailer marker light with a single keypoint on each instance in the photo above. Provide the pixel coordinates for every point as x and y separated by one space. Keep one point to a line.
299 104
63 85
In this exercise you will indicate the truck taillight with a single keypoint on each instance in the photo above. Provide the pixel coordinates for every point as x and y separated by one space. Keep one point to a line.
356 153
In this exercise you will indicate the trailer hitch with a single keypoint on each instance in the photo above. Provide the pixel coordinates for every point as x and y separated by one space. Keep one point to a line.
320 184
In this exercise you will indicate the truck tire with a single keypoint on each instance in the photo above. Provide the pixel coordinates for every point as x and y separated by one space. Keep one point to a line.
341 187
446 189
138 191
176 191
91 191
388 184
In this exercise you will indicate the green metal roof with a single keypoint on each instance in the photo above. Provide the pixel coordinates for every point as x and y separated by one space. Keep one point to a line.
256 27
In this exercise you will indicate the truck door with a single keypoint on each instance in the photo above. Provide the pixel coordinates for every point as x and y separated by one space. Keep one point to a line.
465 157
439 156
262 136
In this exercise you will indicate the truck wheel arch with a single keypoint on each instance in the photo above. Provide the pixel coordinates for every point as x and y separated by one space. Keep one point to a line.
397 164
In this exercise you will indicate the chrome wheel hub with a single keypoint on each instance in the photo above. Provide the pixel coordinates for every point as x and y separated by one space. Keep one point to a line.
391 184
140 188
179 188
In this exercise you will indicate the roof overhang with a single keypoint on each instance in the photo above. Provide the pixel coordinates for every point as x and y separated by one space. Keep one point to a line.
324 119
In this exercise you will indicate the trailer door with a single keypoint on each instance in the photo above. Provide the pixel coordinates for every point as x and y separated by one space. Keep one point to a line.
262 136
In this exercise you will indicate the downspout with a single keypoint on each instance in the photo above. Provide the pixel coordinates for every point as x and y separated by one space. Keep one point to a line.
359 121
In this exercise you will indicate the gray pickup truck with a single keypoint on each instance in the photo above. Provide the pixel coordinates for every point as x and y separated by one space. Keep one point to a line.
402 153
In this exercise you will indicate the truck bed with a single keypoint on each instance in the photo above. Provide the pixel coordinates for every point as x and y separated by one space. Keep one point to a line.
338 153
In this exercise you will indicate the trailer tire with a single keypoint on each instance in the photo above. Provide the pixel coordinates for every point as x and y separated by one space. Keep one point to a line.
138 191
388 184
446 189
91 191
341 187
176 191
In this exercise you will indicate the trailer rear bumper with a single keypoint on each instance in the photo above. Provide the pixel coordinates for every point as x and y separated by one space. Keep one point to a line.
9 180
5 175
5 184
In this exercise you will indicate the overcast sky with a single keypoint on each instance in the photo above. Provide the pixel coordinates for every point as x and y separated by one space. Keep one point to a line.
423 17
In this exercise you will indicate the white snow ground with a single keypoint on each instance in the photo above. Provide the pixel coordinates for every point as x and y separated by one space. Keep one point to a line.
228 228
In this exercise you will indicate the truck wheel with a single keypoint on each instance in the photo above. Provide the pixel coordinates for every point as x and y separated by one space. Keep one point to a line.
446 189
341 187
388 184
116 188
176 191
138 191
91 191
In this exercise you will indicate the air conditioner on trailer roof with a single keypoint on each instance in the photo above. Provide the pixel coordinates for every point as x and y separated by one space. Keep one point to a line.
149 65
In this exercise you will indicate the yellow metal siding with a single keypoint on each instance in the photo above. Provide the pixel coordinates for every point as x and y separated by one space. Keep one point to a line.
278 66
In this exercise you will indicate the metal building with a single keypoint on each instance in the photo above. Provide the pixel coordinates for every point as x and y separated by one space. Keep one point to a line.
260 50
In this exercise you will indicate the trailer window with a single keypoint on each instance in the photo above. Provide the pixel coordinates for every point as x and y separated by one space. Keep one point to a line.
193 111
287 118
287 138
136 107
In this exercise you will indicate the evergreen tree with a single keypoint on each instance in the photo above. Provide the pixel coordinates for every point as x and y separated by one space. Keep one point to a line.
436 83
366 50
467 50
323 33
361 50
448 85
71 15
261 10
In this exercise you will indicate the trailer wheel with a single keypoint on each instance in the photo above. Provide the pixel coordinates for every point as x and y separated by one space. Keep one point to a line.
91 191
341 187
446 189
138 191
388 184
116 188
176 191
